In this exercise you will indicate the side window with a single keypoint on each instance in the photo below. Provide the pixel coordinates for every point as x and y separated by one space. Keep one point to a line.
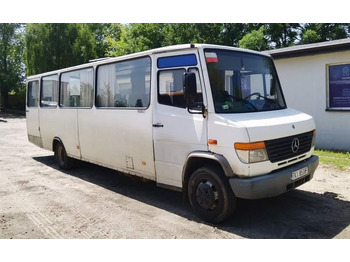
124 84
49 91
170 88
76 88
32 96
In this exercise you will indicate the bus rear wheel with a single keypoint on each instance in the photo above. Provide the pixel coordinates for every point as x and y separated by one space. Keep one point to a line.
63 160
210 194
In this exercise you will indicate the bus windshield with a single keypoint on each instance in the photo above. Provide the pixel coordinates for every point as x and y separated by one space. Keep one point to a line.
243 82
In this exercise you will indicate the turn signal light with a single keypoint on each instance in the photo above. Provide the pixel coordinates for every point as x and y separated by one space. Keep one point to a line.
250 146
251 152
212 142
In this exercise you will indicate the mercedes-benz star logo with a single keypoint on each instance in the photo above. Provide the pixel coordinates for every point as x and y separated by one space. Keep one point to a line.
295 145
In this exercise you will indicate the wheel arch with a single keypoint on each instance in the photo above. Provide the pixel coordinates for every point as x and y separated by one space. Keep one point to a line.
55 141
198 159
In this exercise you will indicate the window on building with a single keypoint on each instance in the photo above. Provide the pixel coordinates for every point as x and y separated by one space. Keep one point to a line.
49 91
124 84
76 88
338 87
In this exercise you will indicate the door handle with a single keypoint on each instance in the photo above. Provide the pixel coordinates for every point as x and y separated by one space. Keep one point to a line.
158 125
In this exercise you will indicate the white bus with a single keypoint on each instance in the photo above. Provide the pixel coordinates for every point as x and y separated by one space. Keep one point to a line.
210 121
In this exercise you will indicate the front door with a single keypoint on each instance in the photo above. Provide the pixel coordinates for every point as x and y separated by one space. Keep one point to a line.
32 112
176 132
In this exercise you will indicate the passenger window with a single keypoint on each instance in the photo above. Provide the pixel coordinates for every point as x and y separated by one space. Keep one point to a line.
170 88
32 96
76 88
49 91
124 84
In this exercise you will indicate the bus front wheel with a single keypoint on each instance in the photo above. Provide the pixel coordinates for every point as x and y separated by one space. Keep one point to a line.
210 194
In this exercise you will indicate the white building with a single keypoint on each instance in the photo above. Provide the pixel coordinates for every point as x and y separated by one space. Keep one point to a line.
316 80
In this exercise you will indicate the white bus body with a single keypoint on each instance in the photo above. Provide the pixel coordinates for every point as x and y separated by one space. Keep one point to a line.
210 121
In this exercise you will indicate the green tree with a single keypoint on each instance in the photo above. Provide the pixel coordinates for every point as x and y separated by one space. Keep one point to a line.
137 37
282 35
310 36
106 36
184 33
231 33
54 46
11 53
325 32
254 40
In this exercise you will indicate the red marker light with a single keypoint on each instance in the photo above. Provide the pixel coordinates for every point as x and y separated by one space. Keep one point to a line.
211 58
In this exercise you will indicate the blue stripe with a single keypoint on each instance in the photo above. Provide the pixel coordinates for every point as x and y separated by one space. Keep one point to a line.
174 61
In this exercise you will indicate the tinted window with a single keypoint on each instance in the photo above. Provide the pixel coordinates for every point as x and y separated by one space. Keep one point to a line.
124 84
32 96
49 91
76 88
177 61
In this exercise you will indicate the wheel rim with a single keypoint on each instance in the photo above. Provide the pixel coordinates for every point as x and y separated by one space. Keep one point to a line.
207 196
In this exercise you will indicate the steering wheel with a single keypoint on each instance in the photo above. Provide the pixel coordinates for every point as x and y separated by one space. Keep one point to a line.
253 94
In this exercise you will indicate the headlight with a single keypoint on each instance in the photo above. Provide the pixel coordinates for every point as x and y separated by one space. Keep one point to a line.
251 152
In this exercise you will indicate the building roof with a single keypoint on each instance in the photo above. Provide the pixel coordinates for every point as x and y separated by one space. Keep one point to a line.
311 49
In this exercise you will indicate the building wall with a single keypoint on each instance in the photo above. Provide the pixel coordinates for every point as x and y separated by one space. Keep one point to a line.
304 83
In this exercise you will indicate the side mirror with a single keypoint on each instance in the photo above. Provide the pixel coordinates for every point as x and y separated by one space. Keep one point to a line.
190 86
190 94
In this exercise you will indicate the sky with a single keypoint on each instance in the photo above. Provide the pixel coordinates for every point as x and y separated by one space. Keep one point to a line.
179 11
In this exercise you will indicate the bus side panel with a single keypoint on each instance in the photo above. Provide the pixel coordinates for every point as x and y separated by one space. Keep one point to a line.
67 131
118 138
61 123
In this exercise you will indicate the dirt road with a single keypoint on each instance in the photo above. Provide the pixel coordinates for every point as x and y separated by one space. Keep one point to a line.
37 200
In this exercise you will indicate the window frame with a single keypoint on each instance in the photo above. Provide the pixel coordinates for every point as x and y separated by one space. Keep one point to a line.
36 99
186 69
41 91
93 91
124 108
158 75
328 91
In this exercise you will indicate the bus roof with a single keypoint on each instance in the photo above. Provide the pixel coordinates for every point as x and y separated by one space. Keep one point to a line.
159 50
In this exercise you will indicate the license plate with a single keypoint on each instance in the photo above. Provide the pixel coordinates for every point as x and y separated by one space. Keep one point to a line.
299 173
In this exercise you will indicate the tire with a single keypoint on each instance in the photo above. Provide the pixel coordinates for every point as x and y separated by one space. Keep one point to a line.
62 159
210 194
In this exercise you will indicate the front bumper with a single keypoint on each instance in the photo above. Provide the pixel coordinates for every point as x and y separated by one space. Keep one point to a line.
273 184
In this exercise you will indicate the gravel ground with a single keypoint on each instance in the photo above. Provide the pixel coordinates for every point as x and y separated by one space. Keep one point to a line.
39 201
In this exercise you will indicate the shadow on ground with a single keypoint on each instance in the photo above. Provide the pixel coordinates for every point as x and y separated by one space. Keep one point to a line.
9 115
297 214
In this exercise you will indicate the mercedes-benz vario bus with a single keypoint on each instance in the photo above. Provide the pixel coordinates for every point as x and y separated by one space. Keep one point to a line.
210 121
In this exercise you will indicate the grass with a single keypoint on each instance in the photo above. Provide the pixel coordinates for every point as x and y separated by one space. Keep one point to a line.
340 160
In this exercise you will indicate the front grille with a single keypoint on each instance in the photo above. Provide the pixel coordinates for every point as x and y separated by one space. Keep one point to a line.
282 149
